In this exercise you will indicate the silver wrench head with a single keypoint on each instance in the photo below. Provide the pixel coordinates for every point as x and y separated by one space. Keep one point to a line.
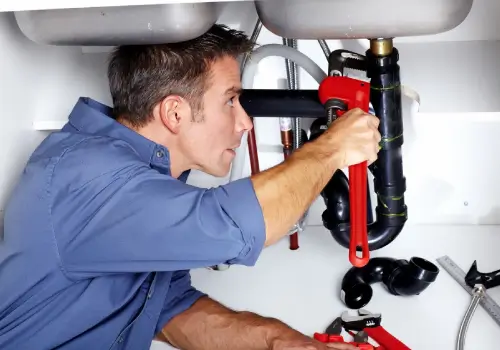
364 312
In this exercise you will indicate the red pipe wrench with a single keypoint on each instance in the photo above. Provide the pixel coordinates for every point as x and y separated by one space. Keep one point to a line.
340 94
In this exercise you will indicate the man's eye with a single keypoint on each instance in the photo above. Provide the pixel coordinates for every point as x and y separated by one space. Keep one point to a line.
231 101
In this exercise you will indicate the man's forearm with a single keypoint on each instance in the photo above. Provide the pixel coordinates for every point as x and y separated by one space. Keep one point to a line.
288 189
209 325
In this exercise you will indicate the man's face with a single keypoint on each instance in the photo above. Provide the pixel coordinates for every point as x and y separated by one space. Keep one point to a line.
211 139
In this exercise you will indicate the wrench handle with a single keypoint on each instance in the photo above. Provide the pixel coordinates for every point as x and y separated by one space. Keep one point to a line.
384 338
358 211
344 93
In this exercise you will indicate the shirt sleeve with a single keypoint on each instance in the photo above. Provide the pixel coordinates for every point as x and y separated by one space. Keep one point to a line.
141 220
179 298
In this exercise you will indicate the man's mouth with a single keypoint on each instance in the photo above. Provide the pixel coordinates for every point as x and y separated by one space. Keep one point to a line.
234 148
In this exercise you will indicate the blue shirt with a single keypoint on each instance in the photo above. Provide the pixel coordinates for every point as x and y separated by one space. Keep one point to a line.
99 238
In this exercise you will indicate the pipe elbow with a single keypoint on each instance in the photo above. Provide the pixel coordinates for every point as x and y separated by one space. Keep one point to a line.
379 234
400 277
412 277
382 232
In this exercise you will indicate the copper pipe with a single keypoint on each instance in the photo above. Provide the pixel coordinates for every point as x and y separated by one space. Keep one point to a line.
252 150
381 47
294 241
287 142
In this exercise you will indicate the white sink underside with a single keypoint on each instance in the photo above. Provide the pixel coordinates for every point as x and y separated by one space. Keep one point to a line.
299 19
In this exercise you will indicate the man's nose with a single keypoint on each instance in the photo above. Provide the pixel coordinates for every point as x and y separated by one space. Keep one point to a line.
243 121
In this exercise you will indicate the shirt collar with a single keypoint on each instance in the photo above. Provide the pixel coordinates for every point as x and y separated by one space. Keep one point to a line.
92 117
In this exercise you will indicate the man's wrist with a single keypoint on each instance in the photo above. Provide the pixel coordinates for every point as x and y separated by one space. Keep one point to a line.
325 153
277 332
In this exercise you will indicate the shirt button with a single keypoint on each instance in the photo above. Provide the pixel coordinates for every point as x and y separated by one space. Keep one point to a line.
160 154
120 340
150 293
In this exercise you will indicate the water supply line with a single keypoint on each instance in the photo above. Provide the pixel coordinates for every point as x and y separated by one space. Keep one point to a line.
324 48
253 38
478 293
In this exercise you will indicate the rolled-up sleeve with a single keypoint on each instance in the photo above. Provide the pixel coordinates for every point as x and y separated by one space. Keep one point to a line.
145 221
179 298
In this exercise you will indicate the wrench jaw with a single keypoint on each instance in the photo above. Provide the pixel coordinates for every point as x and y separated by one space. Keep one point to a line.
341 59
335 328
364 319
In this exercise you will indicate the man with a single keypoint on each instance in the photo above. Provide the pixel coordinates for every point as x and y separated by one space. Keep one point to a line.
101 231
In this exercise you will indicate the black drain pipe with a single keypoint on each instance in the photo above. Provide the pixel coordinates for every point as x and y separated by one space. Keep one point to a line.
400 277
390 183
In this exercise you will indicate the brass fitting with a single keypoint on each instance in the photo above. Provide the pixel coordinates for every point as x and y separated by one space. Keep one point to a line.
381 46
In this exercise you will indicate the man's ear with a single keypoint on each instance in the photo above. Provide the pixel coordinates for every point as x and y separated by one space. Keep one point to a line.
174 111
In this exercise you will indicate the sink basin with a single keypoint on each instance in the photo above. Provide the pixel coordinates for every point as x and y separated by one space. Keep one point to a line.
169 21
358 19
101 26
179 20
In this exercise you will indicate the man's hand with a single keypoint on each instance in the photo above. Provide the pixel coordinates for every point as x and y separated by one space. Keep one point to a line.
304 343
352 138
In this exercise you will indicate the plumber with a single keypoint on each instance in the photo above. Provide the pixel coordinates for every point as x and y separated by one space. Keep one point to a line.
102 229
